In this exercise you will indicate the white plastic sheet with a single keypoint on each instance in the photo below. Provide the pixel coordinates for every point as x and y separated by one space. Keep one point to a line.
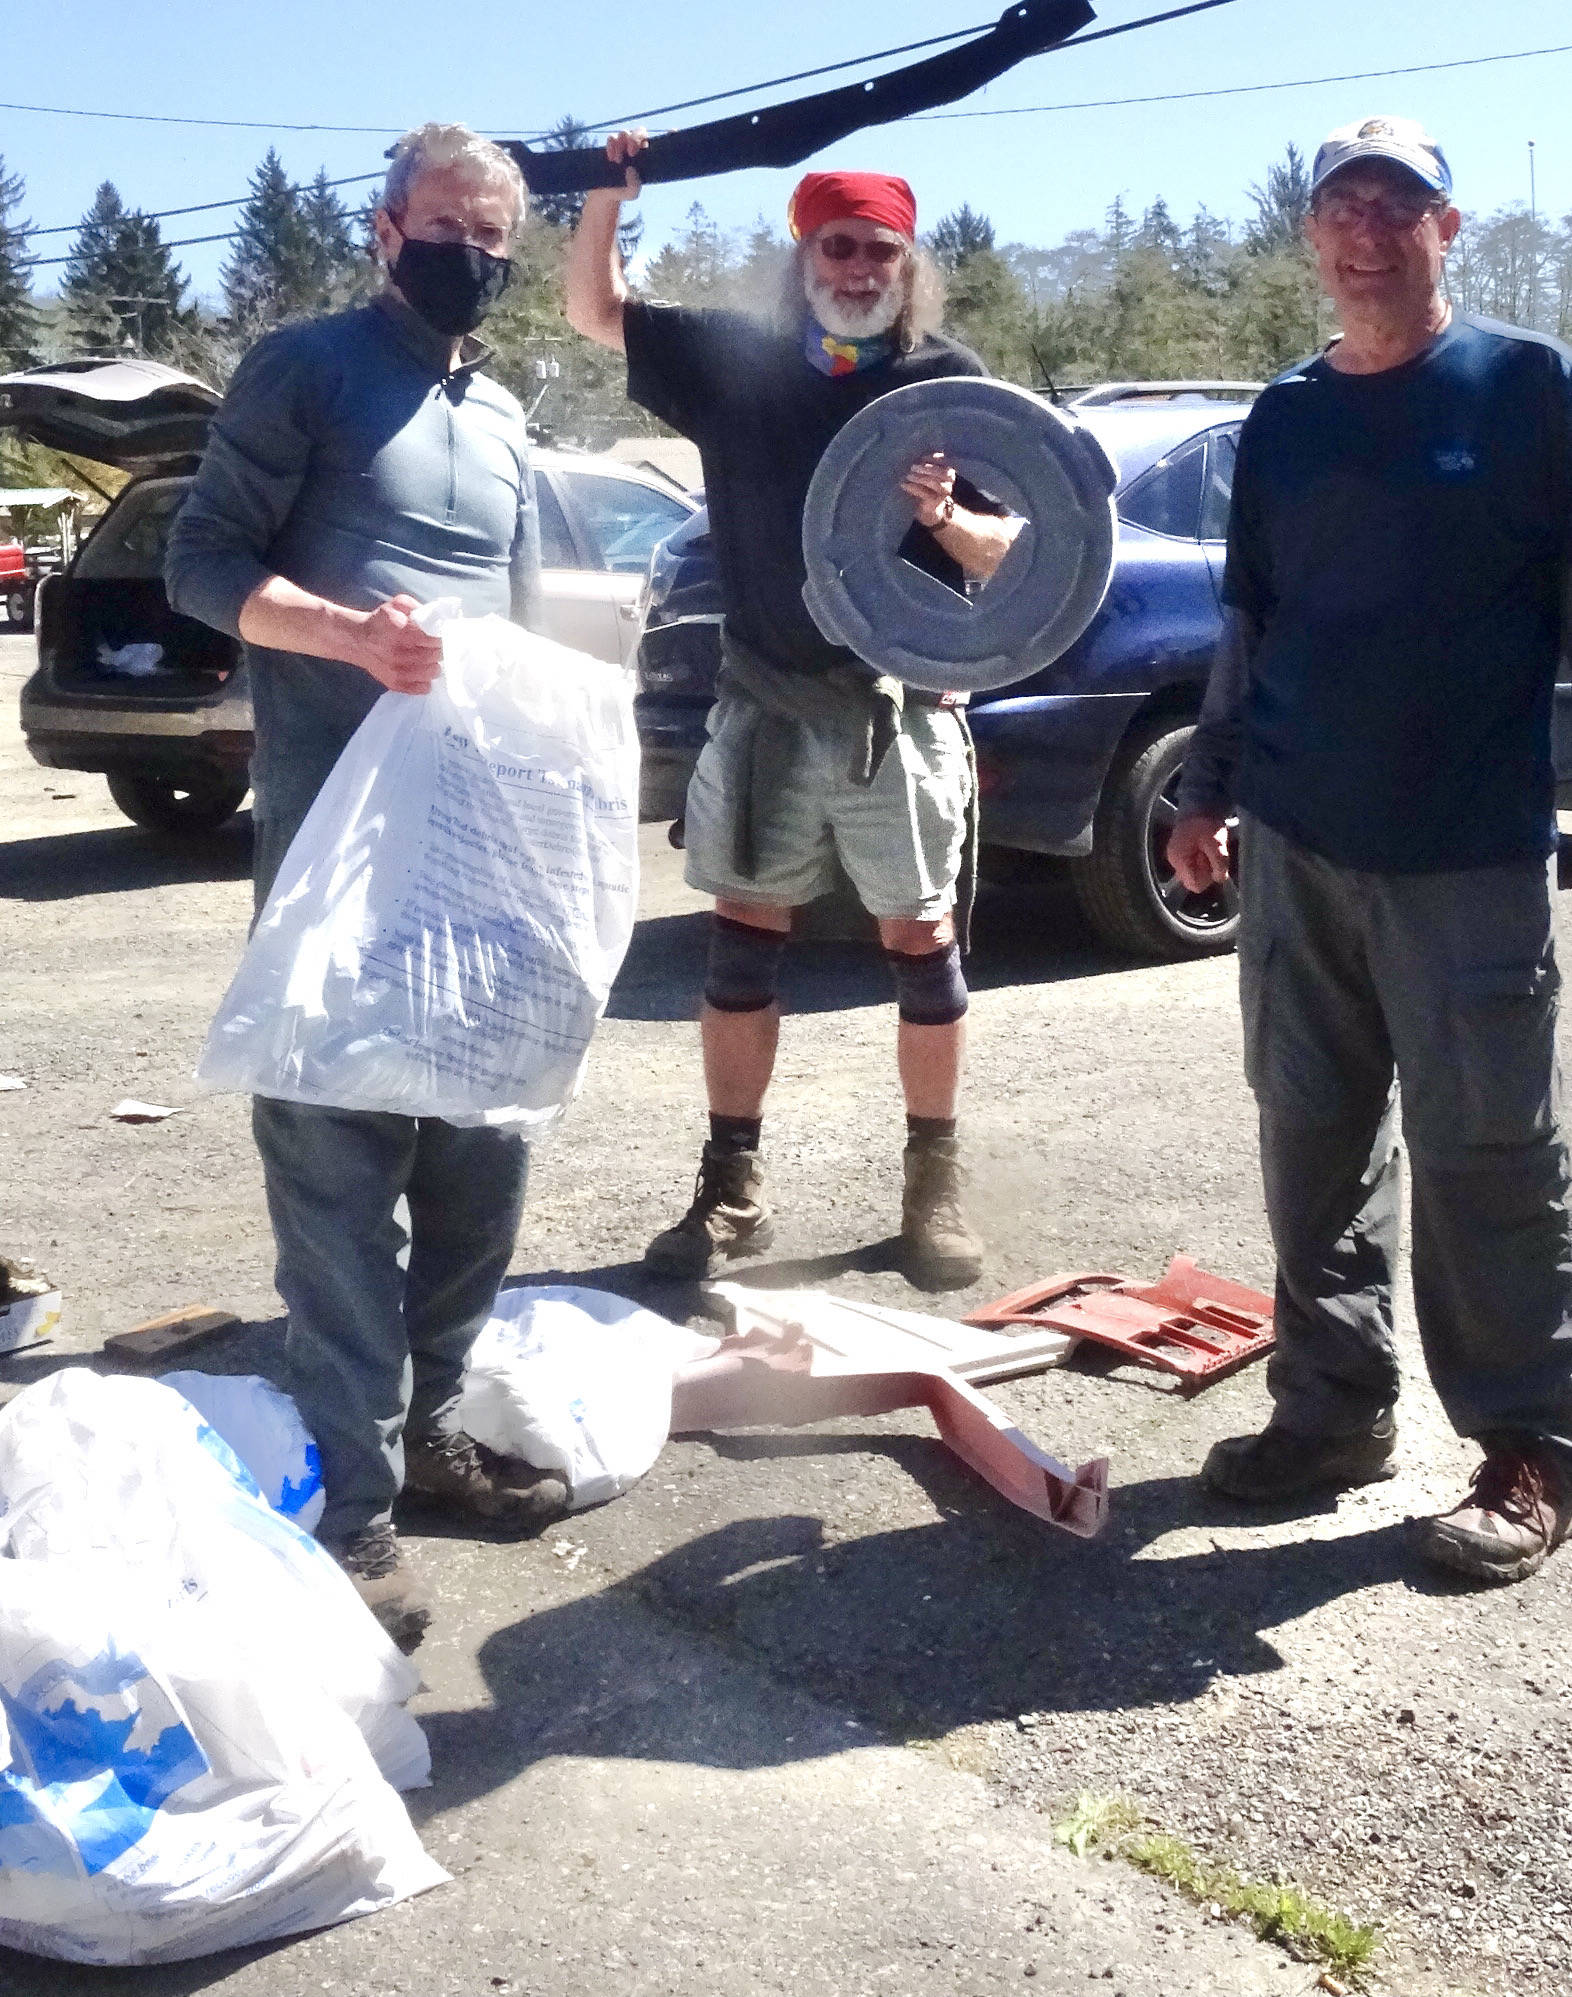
444 931
201 1725
576 1381
262 1426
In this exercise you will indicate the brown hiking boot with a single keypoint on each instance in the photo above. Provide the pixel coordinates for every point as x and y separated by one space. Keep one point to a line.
941 1248
1279 1463
389 1589
460 1474
1517 1512
728 1217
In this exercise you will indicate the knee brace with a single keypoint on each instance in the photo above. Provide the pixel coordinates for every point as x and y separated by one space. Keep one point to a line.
744 968
930 989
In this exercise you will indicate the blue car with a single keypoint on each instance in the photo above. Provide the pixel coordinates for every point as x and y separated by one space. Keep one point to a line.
1081 760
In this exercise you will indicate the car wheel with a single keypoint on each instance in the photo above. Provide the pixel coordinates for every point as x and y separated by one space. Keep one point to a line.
189 804
19 609
1128 891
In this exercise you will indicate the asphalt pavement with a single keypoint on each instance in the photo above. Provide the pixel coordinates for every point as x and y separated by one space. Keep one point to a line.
802 1712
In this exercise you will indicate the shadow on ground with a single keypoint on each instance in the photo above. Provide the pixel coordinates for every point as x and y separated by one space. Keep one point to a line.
916 1631
117 859
1031 933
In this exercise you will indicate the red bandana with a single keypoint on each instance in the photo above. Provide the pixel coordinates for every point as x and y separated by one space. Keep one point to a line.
844 197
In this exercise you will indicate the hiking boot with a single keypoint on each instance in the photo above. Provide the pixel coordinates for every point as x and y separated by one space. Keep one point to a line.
1277 1463
941 1249
728 1217
388 1587
460 1474
1517 1512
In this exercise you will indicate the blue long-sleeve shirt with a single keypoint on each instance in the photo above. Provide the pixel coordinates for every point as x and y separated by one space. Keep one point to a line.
349 458
1398 561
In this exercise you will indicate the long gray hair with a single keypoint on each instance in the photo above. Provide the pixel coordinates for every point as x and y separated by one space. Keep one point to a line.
922 313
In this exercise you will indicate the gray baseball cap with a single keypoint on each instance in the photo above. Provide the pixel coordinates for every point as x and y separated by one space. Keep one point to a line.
1404 141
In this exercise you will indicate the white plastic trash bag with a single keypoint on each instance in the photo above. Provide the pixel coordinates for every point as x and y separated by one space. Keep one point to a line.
576 1381
445 928
262 1426
201 1725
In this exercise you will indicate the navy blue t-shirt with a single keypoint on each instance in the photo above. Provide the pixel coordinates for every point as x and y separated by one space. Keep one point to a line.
1401 540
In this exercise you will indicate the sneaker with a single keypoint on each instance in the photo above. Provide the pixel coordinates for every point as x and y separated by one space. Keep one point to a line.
460 1474
942 1251
1277 1463
1517 1512
729 1217
389 1589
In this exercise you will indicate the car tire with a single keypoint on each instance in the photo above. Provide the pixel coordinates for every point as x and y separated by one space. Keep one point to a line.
187 805
1125 887
19 609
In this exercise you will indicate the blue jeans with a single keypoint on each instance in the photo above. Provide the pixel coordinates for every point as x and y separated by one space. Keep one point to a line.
375 1346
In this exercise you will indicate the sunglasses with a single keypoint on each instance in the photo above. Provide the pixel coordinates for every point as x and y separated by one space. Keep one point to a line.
1391 212
841 249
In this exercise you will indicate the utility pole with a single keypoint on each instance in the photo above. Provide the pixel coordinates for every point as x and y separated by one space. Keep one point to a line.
1533 239
139 301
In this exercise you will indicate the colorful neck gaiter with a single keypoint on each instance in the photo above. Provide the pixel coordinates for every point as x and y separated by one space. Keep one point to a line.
832 355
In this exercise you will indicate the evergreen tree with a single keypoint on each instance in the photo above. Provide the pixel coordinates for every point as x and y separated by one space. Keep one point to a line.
562 211
91 325
960 235
1160 232
335 265
1281 206
121 287
18 318
1118 229
272 272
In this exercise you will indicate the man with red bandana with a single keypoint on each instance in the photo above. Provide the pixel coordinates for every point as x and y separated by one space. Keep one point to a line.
814 762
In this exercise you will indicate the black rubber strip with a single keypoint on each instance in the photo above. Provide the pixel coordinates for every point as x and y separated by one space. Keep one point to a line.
783 134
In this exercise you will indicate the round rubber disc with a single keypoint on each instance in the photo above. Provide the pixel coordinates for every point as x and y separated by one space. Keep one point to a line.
1022 452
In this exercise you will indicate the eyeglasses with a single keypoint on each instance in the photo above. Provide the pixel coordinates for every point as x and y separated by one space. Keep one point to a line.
1385 212
841 249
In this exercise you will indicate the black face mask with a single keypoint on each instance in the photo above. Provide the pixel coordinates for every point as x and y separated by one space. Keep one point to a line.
451 285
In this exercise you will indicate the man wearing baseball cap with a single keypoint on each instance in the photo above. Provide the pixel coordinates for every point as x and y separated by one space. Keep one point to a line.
1379 715
812 760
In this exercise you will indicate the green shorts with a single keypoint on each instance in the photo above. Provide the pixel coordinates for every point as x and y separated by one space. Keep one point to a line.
900 839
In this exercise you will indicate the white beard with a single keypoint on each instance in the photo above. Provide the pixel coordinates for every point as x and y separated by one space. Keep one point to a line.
848 323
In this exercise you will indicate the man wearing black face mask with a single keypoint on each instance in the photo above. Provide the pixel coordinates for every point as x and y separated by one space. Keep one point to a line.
361 465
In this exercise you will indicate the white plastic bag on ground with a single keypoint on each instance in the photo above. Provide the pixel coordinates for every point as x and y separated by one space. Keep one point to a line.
446 926
200 1722
577 1381
262 1426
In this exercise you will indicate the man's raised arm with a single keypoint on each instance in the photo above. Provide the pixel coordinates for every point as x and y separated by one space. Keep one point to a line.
596 288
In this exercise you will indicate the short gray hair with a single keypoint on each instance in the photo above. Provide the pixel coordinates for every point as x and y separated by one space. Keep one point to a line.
450 145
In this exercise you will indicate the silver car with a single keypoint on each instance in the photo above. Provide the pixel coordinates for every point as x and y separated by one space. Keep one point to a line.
157 702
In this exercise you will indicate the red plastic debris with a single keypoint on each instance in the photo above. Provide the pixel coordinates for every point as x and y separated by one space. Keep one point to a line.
1190 1324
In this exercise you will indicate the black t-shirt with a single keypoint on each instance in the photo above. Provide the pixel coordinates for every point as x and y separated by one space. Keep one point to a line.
1401 541
761 415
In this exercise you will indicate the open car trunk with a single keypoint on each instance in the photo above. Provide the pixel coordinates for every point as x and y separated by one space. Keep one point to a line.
106 631
117 638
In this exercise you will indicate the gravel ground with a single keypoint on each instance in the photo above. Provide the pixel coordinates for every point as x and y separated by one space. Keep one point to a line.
1297 1695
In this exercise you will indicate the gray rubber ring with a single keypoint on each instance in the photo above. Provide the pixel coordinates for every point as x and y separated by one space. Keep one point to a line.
1011 444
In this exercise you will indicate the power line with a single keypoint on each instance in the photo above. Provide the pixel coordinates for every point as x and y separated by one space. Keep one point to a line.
228 124
200 208
1244 89
1013 111
601 124
907 48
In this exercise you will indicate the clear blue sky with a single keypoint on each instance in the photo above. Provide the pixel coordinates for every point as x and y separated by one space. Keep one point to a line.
514 69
